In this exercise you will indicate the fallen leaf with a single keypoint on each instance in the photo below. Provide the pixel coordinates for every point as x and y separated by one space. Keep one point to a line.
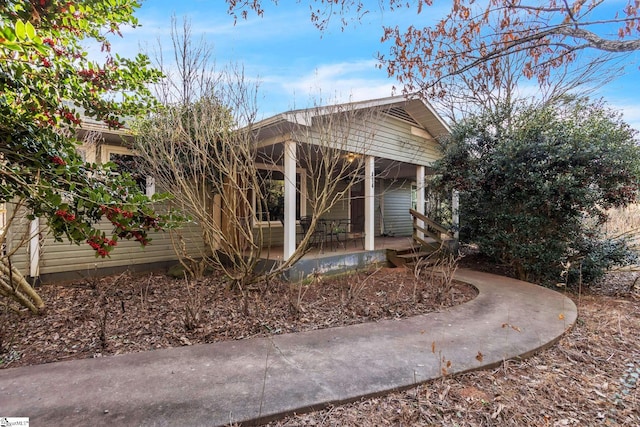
515 328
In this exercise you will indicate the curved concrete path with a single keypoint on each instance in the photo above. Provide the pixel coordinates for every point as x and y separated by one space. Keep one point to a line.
258 379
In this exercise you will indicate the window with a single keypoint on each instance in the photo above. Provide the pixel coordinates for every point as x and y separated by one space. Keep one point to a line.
272 189
414 197
127 161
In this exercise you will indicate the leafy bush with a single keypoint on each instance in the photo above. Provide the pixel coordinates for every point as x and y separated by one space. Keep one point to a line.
597 254
532 180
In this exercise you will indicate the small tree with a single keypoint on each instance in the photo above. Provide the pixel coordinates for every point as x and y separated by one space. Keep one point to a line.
202 147
536 183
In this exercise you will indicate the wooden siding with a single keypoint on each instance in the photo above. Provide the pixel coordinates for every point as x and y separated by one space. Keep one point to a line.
14 239
273 234
395 141
397 202
341 209
58 257
387 138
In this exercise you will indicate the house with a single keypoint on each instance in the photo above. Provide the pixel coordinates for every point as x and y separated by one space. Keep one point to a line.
387 144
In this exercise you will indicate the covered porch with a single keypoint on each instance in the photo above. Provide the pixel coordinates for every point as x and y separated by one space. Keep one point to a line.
380 162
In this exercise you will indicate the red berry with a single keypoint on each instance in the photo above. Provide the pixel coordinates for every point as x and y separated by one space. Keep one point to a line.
58 160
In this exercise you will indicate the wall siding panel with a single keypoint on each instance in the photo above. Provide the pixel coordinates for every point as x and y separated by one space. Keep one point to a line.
397 202
58 257
393 140
15 235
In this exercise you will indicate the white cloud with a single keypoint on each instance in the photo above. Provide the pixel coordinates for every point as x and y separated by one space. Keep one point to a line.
630 113
338 82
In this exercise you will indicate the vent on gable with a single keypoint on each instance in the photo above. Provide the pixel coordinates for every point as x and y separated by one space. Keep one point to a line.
400 113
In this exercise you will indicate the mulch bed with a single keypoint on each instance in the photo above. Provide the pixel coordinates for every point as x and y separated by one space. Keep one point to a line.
589 378
125 314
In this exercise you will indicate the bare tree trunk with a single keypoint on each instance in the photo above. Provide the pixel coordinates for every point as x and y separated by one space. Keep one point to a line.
13 285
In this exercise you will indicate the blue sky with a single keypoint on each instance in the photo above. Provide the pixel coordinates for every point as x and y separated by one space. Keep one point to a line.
297 65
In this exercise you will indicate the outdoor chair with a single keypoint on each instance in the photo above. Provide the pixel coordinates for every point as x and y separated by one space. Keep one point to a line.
317 236
356 236
336 233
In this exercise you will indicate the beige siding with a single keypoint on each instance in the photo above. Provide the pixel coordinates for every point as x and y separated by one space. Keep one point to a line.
57 257
387 138
340 210
273 235
16 239
397 202
395 141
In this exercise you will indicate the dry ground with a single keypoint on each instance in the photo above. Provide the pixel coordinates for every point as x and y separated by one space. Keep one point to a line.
589 378
124 314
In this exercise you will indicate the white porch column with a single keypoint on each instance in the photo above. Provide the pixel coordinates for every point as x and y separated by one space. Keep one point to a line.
455 213
34 248
420 197
289 198
369 198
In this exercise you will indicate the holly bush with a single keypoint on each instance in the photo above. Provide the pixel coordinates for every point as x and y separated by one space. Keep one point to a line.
534 182
48 85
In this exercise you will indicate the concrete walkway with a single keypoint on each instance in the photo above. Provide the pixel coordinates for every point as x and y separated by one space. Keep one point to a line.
259 379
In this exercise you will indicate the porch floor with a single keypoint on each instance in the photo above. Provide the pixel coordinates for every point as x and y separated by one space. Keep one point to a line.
275 253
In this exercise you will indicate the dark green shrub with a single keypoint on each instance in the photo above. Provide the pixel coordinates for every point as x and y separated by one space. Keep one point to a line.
597 254
530 181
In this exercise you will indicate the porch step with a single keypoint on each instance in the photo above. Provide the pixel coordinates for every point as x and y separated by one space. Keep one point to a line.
406 257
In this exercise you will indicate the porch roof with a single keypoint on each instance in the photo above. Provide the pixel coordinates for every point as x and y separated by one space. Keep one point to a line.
410 108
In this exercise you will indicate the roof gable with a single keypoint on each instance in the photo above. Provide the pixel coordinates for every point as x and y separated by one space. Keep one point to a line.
410 109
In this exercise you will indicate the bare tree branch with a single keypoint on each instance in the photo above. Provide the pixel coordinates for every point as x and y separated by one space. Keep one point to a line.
597 42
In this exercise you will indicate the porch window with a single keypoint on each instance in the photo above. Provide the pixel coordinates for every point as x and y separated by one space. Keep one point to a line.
414 197
271 181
